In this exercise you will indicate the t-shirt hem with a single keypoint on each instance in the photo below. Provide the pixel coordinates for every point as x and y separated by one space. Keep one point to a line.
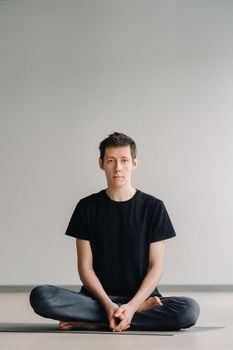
161 238
80 236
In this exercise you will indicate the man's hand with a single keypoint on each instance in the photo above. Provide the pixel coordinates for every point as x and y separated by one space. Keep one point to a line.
125 313
111 309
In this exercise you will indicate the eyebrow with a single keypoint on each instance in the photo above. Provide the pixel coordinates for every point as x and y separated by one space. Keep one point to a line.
115 158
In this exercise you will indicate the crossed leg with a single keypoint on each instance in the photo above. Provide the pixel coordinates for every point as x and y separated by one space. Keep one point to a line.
148 304
78 310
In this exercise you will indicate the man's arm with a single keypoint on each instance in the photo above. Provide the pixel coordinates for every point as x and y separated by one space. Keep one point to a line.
154 273
86 272
91 281
149 283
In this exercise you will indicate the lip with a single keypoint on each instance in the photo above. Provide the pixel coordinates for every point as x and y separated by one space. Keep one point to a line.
118 177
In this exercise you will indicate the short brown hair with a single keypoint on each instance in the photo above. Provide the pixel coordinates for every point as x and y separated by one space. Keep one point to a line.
116 140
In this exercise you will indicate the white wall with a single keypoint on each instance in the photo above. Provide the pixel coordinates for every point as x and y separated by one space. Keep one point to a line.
71 73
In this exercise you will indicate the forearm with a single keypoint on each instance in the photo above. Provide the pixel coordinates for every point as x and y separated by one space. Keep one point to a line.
147 286
93 285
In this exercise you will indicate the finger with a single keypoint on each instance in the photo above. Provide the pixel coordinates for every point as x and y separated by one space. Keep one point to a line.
112 323
120 326
118 312
121 317
117 329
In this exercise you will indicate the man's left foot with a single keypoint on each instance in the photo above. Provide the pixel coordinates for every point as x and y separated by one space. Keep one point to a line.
150 303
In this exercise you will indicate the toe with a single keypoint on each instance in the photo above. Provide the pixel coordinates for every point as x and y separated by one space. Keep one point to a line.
64 326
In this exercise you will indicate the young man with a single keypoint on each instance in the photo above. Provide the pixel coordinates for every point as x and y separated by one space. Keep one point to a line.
120 237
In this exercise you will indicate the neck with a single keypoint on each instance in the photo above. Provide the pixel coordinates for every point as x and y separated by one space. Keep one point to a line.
121 194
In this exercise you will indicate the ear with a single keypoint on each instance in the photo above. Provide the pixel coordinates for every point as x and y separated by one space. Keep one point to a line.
135 163
101 163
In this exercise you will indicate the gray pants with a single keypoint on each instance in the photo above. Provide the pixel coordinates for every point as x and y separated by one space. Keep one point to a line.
65 305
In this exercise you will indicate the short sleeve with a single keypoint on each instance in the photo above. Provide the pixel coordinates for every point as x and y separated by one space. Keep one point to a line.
78 225
161 227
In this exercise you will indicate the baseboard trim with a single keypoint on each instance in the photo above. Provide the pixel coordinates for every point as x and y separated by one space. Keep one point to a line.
163 288
196 288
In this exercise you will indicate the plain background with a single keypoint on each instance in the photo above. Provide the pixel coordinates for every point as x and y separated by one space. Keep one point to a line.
71 73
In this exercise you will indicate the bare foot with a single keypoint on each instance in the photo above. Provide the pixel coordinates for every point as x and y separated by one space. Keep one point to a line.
67 326
150 303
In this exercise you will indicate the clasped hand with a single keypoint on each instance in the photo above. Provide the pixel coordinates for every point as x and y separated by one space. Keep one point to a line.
124 313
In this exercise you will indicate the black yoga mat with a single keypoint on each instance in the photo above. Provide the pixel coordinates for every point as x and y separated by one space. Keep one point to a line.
53 328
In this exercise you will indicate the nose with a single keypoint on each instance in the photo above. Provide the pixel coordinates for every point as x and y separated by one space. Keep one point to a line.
118 166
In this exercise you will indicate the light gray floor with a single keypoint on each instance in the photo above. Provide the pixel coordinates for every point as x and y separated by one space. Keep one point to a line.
216 311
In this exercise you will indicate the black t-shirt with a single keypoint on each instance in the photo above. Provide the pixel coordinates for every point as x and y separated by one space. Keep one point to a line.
120 234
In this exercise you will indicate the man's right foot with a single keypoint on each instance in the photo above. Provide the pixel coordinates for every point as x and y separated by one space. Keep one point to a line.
67 326
150 303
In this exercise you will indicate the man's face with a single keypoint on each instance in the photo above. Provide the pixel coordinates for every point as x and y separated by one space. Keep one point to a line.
118 165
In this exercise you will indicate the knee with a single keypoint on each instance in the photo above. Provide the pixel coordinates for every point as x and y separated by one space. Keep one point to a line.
39 297
188 314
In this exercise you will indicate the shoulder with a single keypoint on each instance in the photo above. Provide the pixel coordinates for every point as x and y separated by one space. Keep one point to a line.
91 199
149 199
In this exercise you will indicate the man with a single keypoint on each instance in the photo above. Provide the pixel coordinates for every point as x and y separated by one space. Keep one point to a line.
120 237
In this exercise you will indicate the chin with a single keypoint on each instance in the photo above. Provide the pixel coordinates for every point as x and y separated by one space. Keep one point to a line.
117 184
